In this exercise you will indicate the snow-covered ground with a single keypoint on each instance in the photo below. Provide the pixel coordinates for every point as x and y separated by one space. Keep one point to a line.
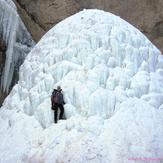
112 78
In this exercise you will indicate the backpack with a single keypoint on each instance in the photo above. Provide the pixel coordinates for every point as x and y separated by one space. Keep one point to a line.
57 97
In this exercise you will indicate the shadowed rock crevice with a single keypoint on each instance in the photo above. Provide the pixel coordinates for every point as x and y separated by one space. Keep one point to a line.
157 30
2 63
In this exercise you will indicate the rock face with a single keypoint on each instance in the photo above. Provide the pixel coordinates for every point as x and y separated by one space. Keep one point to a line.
39 15
146 15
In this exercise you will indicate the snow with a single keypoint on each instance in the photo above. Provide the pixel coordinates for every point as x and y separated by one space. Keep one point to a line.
112 78
17 39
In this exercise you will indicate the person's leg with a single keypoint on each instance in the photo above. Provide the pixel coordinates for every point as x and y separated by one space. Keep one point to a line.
55 113
61 111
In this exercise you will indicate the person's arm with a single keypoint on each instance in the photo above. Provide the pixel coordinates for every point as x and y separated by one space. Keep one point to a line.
63 99
52 102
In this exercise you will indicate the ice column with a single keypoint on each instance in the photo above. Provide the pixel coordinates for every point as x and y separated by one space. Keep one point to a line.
17 39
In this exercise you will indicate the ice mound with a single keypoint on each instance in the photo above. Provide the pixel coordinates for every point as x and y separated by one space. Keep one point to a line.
112 77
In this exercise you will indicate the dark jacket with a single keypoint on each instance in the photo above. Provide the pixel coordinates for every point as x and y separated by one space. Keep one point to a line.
57 97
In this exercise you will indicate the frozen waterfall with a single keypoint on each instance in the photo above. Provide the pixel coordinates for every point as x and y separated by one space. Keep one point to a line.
112 80
17 39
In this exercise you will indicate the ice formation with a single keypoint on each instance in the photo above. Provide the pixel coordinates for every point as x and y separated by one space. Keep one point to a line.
17 39
112 77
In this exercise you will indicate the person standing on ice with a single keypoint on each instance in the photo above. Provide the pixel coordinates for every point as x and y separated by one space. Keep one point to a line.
57 101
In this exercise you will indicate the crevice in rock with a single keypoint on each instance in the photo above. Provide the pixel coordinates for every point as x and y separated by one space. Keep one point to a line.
54 5
157 30
2 64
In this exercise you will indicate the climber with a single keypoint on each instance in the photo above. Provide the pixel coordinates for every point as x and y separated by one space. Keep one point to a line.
57 101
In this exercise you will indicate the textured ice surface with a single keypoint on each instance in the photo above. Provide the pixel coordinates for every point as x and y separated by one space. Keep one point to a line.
112 78
17 39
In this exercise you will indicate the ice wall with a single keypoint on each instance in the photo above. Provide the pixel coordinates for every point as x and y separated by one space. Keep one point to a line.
100 63
18 40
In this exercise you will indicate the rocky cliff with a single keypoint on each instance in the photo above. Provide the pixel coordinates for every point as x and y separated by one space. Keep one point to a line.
147 15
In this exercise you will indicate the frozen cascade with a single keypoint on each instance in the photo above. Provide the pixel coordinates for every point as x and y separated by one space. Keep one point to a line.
112 78
18 40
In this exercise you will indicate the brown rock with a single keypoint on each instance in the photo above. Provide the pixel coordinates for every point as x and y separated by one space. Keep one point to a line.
146 15
34 28
45 14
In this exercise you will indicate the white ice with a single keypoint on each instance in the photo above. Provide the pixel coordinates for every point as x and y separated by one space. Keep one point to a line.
112 78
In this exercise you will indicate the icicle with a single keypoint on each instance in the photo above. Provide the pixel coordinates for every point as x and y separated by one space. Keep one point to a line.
17 39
